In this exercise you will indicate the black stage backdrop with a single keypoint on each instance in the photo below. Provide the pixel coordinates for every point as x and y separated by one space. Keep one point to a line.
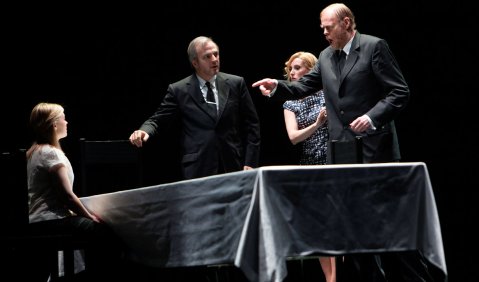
110 67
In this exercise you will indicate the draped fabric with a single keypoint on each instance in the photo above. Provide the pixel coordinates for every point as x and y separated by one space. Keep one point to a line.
258 218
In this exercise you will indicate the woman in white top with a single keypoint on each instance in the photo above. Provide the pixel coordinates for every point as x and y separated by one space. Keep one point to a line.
50 188
50 174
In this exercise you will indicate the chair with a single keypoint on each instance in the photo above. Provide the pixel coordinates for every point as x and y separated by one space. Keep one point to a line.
21 240
346 152
109 166
14 182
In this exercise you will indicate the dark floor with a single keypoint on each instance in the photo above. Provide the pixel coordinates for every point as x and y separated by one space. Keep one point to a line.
307 270
24 268
28 268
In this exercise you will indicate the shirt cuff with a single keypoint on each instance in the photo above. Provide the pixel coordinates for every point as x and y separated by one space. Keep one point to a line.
370 122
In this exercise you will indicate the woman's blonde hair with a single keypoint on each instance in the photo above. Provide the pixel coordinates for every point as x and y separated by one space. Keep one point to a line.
309 60
42 121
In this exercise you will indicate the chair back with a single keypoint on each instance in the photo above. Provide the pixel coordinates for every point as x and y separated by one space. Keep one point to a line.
109 166
13 168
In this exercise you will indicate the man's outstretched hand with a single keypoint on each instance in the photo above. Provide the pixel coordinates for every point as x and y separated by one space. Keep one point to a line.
266 85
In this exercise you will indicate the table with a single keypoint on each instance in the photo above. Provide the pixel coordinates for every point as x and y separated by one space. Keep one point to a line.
258 218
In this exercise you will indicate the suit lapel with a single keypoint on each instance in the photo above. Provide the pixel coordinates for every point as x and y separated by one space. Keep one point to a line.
352 57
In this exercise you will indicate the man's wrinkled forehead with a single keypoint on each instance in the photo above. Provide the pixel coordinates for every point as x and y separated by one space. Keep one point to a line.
208 49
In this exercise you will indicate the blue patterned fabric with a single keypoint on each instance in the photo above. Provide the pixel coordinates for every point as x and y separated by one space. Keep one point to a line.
313 149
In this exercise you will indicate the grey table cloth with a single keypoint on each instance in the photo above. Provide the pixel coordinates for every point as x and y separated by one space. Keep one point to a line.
256 219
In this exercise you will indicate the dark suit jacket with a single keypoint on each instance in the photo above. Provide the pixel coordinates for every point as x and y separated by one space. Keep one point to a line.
233 136
371 83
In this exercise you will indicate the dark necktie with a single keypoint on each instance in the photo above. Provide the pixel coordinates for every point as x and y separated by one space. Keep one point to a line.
210 98
341 56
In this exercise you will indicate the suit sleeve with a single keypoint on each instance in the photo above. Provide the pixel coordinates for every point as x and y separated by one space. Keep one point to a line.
163 116
396 91
307 85
251 127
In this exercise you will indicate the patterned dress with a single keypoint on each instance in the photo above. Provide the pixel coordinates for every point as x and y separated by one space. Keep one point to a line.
313 149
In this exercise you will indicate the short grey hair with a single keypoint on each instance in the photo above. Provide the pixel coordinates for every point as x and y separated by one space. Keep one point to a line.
198 41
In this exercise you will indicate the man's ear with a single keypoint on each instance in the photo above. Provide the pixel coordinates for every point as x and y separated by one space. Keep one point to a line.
194 63
347 22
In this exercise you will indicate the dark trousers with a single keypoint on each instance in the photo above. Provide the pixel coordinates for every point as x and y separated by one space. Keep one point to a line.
385 267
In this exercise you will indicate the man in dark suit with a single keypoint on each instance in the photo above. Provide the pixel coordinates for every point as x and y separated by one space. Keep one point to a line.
364 91
365 97
219 134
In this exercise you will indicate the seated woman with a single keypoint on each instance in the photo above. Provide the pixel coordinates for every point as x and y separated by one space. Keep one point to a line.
52 201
